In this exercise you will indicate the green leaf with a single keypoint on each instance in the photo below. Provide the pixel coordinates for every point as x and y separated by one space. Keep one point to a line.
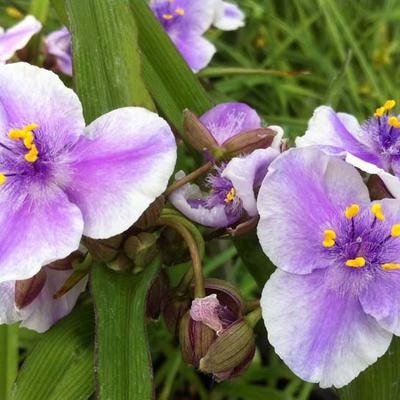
172 84
379 381
8 358
59 6
60 366
123 367
253 257
39 9
107 69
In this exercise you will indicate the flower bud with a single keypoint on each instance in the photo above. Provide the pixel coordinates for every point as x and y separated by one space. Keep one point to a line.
150 217
28 289
104 250
174 251
377 189
156 296
198 136
141 249
120 264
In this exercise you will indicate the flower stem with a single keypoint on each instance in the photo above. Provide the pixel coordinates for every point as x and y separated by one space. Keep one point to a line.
188 178
199 290
253 317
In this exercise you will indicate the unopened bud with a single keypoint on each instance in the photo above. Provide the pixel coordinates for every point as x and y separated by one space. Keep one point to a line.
248 141
141 249
156 296
198 136
150 217
231 352
104 250
28 289
120 264
377 189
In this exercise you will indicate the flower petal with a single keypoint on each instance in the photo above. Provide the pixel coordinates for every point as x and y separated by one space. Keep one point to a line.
247 173
229 17
302 193
196 51
182 200
338 134
320 334
45 311
8 312
228 119
36 229
120 169
18 36
58 44
29 94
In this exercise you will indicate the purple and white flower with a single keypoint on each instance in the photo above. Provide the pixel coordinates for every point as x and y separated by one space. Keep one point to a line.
333 304
59 45
186 21
60 180
373 146
231 187
16 37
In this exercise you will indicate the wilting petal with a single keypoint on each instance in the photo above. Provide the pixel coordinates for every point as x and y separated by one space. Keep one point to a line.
247 173
228 119
37 229
337 133
29 94
196 51
205 310
185 199
45 311
17 37
322 335
120 168
58 44
229 17
301 195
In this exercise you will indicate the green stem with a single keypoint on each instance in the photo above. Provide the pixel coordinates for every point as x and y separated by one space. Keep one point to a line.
253 317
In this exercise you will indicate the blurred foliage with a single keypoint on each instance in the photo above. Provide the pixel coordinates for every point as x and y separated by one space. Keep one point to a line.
343 53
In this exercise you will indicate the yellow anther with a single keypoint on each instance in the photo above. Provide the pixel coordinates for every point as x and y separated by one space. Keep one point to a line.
379 111
393 121
16 134
168 16
329 239
390 266
230 196
28 140
352 211
180 11
396 230
14 13
3 178
376 209
30 127
32 156
356 262
389 104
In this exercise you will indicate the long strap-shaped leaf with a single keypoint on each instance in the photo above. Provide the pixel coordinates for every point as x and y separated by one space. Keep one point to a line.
61 364
123 367
8 358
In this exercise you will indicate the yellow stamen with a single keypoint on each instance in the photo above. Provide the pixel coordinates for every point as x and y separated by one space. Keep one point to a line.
30 127
32 155
352 211
28 140
396 230
168 16
390 266
393 121
180 11
356 262
376 209
3 178
379 111
16 134
389 104
329 239
230 196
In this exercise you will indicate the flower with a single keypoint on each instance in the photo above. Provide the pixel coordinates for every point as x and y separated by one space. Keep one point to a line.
373 146
231 187
59 45
16 37
228 16
332 305
32 302
186 21
60 180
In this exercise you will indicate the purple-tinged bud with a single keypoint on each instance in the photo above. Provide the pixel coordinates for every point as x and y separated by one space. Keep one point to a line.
175 307
156 296
198 136
67 263
377 189
150 217
104 250
28 289
141 249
